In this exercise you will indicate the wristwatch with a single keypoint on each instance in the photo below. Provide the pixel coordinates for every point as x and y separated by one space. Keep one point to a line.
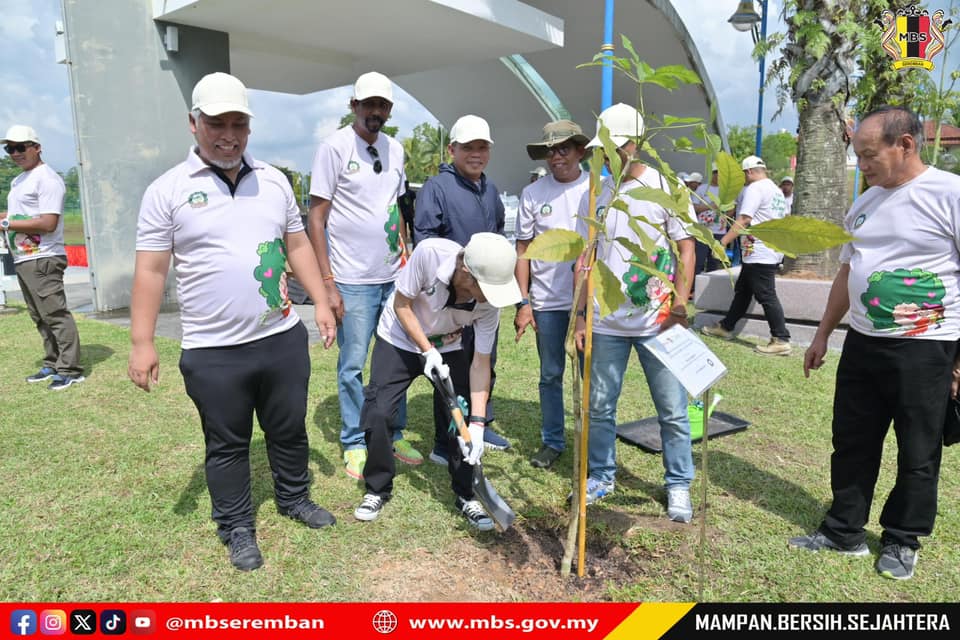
5 224
523 301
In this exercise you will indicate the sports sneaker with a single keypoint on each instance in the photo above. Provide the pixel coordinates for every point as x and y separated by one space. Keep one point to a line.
60 383
493 441
544 458
897 561
679 508
439 455
355 459
244 552
776 347
816 541
45 373
473 511
716 331
596 489
310 514
370 507
404 452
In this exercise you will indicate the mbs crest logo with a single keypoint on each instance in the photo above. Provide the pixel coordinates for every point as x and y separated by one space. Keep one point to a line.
912 37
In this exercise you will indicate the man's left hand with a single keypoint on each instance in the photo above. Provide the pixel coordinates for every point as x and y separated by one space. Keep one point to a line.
680 317
326 323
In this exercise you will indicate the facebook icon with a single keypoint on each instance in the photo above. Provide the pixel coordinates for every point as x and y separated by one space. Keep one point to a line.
23 622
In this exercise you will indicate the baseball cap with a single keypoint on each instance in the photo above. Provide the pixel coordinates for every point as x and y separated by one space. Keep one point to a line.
624 122
21 133
554 133
683 176
752 162
695 177
219 93
469 128
786 179
373 85
491 258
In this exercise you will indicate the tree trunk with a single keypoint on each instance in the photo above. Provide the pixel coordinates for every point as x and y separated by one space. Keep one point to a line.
820 186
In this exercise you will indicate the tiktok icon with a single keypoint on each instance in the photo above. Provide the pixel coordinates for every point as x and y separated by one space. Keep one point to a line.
113 622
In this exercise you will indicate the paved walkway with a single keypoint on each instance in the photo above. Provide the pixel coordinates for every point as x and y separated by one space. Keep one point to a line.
76 281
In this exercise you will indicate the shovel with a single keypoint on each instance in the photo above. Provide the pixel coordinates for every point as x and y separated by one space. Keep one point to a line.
503 516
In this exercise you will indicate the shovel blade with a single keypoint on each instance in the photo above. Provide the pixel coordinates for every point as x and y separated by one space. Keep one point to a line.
495 506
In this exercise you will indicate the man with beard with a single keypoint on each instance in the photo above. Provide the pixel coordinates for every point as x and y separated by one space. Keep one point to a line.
357 232
231 224
33 225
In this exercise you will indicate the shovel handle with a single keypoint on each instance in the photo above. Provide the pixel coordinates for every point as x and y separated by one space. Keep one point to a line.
446 392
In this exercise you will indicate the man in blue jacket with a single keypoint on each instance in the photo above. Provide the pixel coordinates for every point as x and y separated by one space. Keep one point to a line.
455 204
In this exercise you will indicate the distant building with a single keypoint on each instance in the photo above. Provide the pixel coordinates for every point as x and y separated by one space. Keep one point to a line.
949 134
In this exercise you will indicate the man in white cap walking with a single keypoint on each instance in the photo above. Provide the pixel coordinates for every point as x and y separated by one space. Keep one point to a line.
358 234
455 204
444 288
649 308
231 224
786 187
760 200
33 226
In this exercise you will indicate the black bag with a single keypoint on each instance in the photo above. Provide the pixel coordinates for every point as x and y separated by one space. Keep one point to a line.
951 424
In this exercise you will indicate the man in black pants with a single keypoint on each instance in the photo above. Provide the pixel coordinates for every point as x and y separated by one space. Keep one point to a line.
231 223
760 200
443 289
898 280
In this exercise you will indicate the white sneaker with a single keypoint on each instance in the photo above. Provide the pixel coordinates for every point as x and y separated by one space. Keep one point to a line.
679 508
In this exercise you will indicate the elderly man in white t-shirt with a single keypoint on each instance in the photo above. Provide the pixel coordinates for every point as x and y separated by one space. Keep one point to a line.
358 233
33 228
760 200
547 287
231 225
443 289
898 280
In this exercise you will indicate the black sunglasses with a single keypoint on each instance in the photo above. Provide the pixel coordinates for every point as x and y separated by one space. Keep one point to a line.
377 165
18 148
562 149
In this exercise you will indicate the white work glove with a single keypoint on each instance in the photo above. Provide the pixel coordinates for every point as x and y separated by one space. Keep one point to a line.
474 449
434 361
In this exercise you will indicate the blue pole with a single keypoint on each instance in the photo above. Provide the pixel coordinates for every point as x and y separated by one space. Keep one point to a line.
763 38
606 77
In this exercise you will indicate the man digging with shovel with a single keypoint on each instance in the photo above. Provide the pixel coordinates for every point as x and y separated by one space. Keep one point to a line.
443 288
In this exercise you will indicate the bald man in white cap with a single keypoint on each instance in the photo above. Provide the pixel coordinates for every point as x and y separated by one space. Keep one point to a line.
231 224
358 234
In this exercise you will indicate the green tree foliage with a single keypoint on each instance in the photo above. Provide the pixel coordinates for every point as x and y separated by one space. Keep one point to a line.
425 150
778 148
742 141
71 179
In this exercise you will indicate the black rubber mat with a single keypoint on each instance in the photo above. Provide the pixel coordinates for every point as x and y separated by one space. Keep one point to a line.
646 433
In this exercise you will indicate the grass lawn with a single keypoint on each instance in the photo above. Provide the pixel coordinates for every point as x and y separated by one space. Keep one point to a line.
73 228
104 498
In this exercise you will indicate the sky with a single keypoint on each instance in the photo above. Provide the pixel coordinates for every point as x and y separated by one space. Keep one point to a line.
287 127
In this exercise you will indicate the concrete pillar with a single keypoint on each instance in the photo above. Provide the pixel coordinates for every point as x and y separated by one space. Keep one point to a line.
130 101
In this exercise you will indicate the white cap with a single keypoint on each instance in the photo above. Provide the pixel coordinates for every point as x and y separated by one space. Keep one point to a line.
695 177
373 85
469 128
21 133
624 122
752 162
539 171
219 93
786 179
683 176
491 259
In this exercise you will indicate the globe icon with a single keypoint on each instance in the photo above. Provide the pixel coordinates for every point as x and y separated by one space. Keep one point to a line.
385 621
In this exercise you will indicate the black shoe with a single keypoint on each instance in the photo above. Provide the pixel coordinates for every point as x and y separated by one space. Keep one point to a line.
244 553
309 514
897 561
544 458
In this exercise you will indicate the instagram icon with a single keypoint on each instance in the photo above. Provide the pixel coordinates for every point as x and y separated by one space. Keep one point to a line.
53 622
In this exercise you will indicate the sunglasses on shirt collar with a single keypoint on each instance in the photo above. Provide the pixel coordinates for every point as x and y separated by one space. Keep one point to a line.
377 165
20 147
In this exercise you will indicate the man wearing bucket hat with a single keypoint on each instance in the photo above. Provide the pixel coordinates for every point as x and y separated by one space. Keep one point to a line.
760 200
547 287
455 204
231 223
650 307
444 288
357 233
786 187
33 226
